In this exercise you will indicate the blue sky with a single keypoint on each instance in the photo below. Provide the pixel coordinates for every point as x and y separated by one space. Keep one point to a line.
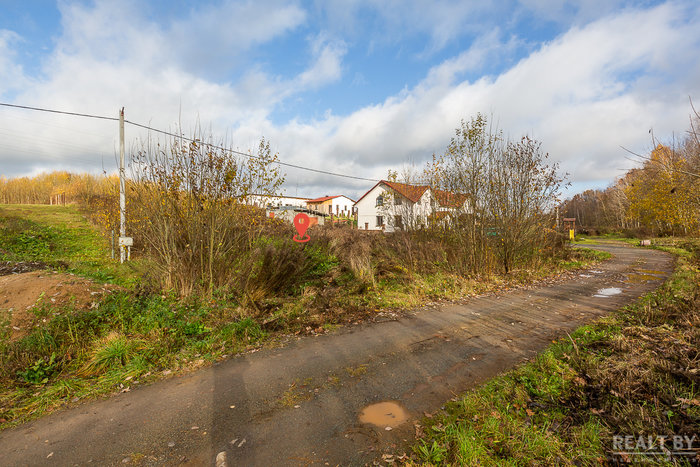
356 86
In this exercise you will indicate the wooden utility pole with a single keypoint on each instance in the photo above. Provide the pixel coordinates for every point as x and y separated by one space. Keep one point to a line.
122 196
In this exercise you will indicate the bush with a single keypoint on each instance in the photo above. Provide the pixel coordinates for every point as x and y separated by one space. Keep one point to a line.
188 210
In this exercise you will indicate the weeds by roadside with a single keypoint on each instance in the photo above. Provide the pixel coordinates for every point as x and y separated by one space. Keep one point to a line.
633 373
125 340
137 334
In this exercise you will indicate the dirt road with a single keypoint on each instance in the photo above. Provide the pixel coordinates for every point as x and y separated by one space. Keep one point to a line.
301 404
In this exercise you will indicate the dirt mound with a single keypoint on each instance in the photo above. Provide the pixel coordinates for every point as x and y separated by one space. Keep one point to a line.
20 294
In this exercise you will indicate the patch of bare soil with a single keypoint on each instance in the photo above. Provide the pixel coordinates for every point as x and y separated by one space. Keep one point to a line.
17 267
21 293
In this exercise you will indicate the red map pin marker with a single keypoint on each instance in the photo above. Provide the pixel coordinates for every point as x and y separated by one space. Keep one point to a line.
301 223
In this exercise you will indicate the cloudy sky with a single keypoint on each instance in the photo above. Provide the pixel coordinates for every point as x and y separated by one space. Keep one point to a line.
350 86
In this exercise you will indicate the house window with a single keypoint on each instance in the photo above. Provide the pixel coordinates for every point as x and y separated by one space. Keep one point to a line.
398 222
380 201
380 221
330 209
397 200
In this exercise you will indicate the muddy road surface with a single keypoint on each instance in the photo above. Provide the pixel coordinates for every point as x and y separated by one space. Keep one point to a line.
314 401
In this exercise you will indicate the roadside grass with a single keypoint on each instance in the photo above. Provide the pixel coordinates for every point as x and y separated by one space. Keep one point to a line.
126 340
136 335
635 372
340 298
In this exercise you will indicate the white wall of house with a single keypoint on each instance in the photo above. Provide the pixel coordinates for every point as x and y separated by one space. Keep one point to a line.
338 206
368 214
342 205
396 211
264 201
391 215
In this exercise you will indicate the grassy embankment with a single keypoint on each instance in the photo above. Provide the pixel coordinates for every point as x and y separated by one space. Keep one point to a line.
135 335
635 372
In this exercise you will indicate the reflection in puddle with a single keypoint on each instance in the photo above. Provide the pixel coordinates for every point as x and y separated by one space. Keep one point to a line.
640 278
595 272
608 292
384 414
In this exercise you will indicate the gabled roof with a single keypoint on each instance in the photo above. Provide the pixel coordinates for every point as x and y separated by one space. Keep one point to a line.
412 192
445 199
326 198
272 196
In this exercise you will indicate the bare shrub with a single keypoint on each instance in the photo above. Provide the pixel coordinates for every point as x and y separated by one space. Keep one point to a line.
188 208
510 191
522 190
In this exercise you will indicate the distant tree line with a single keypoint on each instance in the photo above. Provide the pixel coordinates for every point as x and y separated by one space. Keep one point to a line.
662 197
40 189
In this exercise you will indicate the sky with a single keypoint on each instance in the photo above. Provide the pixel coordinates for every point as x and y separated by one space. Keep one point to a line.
356 87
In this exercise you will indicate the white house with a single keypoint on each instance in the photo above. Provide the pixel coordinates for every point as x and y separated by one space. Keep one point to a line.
390 206
275 201
338 205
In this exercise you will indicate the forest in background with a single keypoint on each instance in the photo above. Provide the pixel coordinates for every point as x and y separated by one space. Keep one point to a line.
660 198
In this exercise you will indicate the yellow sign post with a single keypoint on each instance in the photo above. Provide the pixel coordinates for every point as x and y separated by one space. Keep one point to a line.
570 223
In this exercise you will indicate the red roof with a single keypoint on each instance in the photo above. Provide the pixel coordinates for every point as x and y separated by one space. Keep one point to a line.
321 199
324 198
414 193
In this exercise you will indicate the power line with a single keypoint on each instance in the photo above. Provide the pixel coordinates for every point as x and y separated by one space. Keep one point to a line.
76 114
167 133
286 164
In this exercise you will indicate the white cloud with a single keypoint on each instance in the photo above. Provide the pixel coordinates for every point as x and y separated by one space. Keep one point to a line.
11 74
440 20
328 63
215 35
568 11
109 55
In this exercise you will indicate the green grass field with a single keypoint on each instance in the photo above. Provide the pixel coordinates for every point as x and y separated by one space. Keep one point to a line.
61 237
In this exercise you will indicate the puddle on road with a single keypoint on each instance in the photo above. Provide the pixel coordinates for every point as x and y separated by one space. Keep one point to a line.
651 271
635 278
607 292
384 414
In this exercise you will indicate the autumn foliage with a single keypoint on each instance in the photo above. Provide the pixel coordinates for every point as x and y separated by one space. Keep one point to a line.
188 209
662 197
73 188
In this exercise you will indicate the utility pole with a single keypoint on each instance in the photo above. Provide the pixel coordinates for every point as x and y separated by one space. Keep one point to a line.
122 196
